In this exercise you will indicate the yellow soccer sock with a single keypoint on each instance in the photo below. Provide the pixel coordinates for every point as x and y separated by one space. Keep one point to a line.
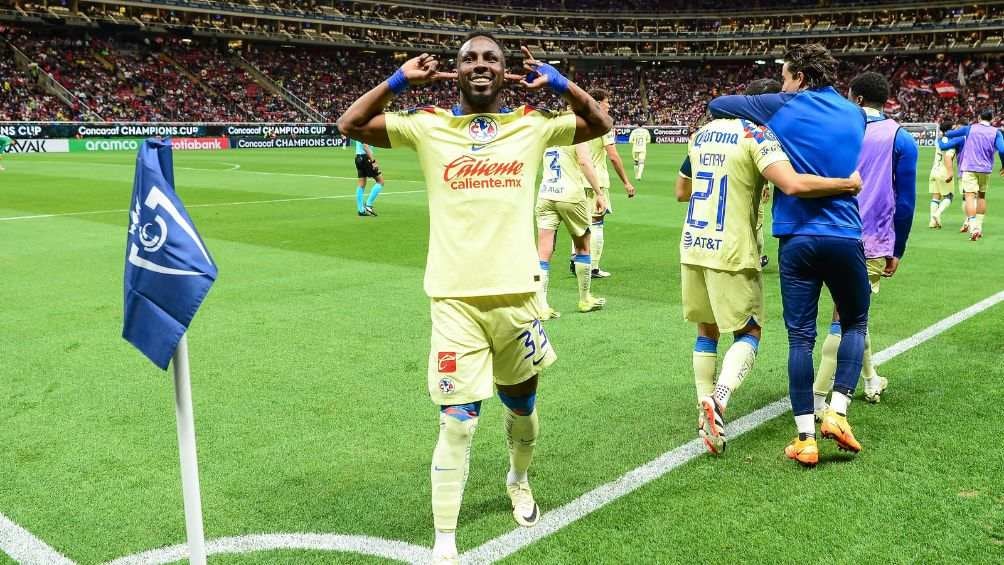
583 276
521 436
945 203
979 222
738 363
827 365
545 280
596 240
450 462
867 368
705 362
935 205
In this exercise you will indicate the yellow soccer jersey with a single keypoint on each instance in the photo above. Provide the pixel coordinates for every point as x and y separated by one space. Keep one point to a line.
726 159
480 171
640 138
938 167
563 180
598 153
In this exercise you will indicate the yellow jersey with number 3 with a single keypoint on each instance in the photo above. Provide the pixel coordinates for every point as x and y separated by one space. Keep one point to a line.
727 158
562 179
480 174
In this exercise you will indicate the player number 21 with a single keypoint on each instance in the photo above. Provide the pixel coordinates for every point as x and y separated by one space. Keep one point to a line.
723 194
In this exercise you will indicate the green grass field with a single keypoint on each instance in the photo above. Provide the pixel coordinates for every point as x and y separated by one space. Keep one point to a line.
309 360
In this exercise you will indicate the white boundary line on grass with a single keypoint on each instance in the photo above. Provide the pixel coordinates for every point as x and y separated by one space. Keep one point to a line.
234 168
210 205
22 546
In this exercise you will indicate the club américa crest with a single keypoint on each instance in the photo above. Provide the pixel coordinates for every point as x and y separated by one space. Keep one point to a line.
483 129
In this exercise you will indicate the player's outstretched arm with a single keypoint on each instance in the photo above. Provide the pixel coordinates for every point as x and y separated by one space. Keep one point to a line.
591 121
618 163
758 109
957 132
792 183
364 119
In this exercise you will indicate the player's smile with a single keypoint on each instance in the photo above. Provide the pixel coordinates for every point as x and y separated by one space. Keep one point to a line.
481 68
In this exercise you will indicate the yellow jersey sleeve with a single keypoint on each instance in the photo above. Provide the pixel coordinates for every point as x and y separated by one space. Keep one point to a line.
560 128
768 151
403 128
609 138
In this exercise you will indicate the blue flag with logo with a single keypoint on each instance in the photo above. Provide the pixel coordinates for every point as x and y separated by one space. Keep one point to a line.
168 269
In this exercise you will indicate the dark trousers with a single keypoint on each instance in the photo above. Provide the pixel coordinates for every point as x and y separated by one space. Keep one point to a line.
807 262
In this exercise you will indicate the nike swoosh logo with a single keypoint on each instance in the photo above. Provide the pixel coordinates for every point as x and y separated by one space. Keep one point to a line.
538 361
441 469
533 515
477 147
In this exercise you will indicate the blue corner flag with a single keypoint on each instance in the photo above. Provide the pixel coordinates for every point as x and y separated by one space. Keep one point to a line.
168 270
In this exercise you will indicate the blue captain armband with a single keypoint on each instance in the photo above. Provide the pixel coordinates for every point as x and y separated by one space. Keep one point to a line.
555 79
397 82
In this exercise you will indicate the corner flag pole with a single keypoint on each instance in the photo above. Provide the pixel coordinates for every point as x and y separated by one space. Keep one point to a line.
186 449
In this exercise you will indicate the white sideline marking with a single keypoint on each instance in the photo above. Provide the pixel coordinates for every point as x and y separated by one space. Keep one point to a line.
25 548
233 168
21 546
550 522
364 545
211 205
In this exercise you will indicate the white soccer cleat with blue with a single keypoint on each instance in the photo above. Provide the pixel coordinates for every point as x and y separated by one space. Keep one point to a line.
524 508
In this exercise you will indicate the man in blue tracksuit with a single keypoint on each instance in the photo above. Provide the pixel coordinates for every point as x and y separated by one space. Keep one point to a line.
820 239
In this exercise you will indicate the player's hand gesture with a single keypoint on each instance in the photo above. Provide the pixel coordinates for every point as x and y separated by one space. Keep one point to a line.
629 188
533 79
424 69
891 264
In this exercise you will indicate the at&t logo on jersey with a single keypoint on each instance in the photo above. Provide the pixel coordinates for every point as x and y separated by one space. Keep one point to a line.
688 240
483 129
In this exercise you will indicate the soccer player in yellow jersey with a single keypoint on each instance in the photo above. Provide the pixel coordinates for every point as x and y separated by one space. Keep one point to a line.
480 167
601 149
729 160
940 182
562 199
639 140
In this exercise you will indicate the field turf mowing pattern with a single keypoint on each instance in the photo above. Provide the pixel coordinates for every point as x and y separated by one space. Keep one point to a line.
309 369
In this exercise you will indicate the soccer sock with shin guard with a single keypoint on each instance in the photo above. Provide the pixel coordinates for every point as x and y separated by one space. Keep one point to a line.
521 430
450 462
374 193
360 191
705 361
738 363
583 276
827 366
596 243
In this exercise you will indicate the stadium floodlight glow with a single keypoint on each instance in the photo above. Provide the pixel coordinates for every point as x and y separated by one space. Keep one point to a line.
761 62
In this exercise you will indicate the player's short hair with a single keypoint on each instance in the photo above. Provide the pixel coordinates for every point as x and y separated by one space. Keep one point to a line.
486 35
599 94
946 125
763 86
872 87
987 114
814 62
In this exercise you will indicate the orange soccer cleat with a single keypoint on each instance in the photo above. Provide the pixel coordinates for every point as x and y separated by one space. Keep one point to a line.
804 451
837 428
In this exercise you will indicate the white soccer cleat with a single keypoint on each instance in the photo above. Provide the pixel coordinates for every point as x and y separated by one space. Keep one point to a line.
874 389
524 509
599 273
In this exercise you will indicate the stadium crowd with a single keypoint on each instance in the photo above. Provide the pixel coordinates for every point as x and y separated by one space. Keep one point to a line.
171 79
